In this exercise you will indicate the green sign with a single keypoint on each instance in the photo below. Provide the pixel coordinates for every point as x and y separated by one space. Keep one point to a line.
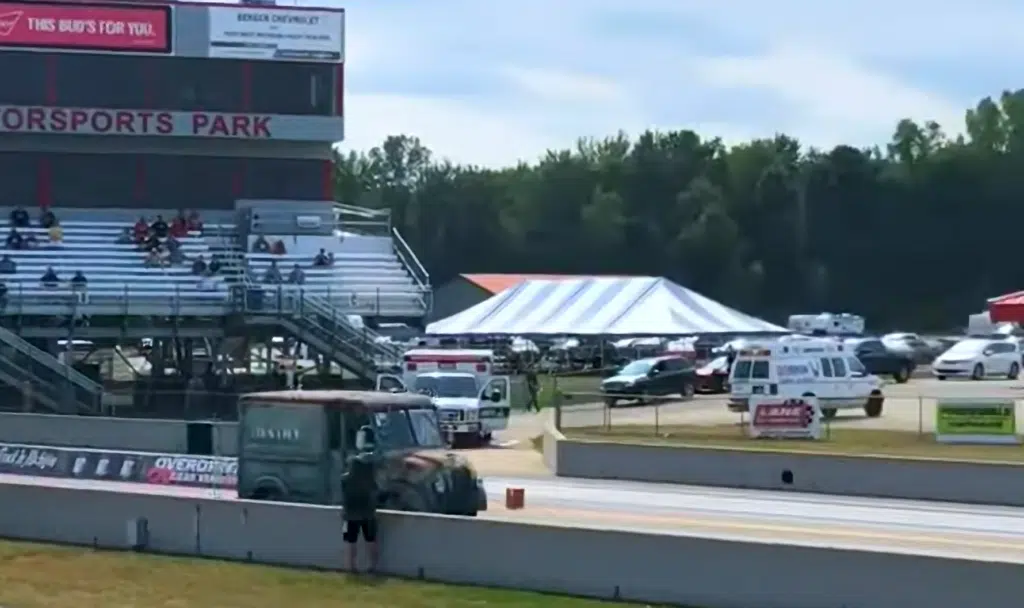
976 421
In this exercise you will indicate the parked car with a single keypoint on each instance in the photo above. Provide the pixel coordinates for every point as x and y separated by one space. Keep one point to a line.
979 358
880 360
922 350
713 376
654 376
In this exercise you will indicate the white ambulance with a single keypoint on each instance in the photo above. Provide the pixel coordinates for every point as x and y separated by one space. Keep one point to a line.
472 403
809 367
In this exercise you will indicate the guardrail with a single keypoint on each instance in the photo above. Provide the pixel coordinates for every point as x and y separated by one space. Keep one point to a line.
28 298
633 566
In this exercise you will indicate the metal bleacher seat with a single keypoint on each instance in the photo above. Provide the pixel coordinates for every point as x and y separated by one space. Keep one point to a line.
116 274
360 283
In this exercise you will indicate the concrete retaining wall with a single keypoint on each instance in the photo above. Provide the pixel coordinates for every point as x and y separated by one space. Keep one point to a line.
118 434
599 563
939 480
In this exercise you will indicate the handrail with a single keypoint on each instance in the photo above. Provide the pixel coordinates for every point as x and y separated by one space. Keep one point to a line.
417 270
41 356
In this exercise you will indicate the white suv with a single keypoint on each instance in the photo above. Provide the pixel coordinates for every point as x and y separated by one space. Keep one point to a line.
979 358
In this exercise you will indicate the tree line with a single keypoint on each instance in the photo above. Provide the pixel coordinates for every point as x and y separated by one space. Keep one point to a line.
912 234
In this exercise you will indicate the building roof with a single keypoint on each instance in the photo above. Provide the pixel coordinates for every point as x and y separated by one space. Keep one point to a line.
577 306
497 283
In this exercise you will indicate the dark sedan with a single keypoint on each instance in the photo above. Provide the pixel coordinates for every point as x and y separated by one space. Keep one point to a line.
881 361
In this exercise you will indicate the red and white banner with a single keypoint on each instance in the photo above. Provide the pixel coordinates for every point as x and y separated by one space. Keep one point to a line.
52 25
780 418
95 121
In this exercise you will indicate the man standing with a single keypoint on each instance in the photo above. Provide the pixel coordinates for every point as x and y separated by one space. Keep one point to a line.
533 387
359 502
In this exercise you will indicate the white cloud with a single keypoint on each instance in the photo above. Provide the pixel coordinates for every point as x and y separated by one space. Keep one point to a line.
835 99
496 82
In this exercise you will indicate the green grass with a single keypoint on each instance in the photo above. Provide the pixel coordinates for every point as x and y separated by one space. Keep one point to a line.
45 576
856 442
550 385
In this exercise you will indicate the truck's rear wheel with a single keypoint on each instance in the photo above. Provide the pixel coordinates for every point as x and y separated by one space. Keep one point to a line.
873 408
829 413
902 375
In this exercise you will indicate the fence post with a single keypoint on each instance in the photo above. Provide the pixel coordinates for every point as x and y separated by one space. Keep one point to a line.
920 415
657 418
556 401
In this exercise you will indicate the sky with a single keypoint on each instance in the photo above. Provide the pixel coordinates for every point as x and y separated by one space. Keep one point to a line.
494 82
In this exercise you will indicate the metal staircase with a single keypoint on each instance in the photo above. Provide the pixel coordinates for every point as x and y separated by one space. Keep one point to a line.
315 321
43 379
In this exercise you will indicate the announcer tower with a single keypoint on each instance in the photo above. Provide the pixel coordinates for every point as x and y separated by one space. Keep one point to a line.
167 105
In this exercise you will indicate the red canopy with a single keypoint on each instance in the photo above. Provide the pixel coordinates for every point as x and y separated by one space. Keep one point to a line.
1007 308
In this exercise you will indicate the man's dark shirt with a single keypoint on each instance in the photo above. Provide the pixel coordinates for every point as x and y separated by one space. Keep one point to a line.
160 228
359 489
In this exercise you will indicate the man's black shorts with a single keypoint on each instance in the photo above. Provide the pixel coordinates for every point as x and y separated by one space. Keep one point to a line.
366 527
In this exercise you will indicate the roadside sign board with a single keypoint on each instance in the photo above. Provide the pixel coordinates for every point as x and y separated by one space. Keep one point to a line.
984 421
781 418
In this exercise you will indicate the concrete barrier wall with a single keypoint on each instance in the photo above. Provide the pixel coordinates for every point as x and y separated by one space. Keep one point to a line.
965 482
599 563
124 434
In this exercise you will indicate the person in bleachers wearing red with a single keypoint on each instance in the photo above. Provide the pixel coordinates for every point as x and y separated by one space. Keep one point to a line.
278 248
195 224
179 226
141 230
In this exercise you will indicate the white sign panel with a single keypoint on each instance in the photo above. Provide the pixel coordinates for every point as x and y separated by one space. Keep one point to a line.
782 418
277 34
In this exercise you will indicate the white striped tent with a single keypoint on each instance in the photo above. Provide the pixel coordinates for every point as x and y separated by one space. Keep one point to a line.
631 306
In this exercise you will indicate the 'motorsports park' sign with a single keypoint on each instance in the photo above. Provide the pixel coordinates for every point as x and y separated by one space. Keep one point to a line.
992 421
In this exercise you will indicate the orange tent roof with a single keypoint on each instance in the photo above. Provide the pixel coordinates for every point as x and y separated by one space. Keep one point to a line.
497 283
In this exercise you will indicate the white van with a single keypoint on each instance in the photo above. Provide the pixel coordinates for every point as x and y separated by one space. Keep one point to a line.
815 367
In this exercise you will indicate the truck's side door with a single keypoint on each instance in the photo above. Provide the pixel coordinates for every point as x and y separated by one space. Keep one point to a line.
391 384
500 385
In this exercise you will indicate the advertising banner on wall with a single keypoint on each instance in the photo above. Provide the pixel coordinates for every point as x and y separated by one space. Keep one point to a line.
277 34
985 421
84 27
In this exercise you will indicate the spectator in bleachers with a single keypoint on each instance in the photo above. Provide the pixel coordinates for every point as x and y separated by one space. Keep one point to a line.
160 227
56 234
151 243
199 266
15 240
272 274
140 230
175 256
3 296
7 265
78 281
215 264
321 259
126 237
20 218
153 258
296 277
278 248
179 225
260 245
50 278
48 219
195 223
172 244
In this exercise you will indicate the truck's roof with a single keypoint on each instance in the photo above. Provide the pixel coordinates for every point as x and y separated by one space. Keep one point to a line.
366 399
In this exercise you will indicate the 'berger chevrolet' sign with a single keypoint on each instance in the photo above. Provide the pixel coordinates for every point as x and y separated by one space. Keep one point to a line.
95 121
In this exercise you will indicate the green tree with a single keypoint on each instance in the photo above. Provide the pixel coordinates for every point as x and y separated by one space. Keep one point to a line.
915 233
